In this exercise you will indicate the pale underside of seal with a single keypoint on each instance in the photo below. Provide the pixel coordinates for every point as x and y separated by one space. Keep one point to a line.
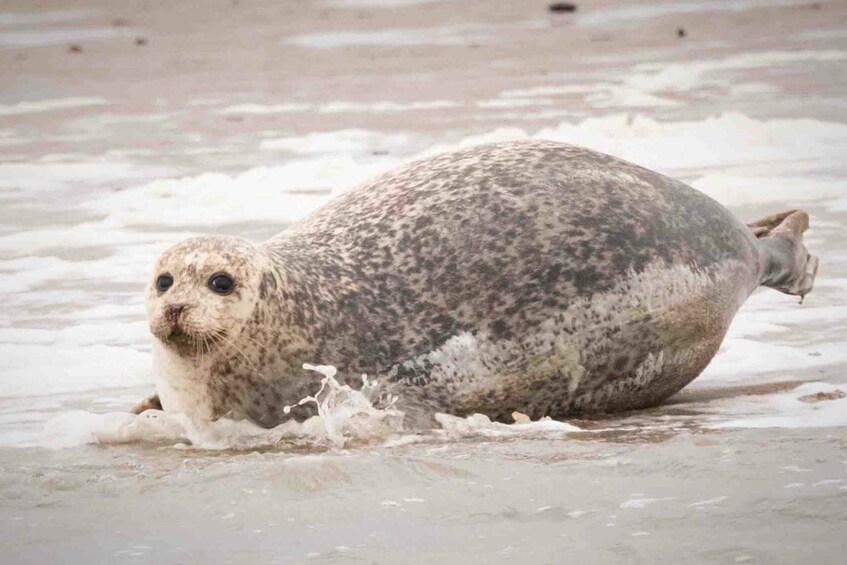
530 276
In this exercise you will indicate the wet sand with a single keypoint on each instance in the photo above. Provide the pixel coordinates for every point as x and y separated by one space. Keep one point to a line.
734 469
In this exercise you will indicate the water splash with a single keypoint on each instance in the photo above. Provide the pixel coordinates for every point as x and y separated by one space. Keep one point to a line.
345 414
346 417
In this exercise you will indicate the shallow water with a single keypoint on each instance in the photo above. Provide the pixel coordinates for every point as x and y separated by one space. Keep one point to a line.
747 464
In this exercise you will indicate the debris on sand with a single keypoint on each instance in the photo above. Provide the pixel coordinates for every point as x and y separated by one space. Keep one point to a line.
821 396
521 418
562 7
141 41
75 48
680 32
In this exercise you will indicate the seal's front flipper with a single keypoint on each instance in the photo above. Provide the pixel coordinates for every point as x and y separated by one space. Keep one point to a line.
786 265
152 402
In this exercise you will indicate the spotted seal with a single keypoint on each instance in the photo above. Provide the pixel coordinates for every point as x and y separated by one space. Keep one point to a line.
529 276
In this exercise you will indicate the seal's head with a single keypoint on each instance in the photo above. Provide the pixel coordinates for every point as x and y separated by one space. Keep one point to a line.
203 291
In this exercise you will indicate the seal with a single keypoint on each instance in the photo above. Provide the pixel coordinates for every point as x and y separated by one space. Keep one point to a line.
530 276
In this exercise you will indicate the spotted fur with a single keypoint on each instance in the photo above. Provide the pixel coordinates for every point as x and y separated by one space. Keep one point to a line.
529 276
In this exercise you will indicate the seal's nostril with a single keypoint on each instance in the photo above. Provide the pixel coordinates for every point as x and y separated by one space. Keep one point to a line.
173 311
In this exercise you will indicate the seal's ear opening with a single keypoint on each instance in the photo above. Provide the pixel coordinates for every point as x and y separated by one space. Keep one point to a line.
786 265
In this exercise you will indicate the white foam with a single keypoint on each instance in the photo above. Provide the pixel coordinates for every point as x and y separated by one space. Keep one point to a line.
458 34
377 3
726 140
444 35
385 106
614 96
691 74
74 428
194 102
31 370
745 361
32 272
345 416
60 35
707 502
477 425
275 194
672 84
48 176
751 189
349 141
525 116
604 94
260 109
639 503
552 90
338 107
820 34
784 410
637 13
840 204
50 105
99 123
16 19
514 102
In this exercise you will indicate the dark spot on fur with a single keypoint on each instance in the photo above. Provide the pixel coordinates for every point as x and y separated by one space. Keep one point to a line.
267 286
499 329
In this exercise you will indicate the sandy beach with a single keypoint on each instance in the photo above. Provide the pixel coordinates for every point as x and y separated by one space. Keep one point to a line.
124 128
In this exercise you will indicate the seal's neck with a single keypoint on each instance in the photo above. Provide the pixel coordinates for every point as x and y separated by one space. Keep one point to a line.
182 382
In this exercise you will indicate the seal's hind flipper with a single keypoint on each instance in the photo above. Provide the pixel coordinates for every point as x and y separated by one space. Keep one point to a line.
794 220
786 265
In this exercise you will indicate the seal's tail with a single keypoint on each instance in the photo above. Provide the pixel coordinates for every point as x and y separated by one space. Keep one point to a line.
786 265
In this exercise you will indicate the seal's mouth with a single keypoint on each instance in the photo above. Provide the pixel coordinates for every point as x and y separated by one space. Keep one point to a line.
187 343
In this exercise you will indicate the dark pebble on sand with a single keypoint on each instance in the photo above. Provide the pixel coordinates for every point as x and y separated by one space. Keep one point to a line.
559 7
680 32
141 41
75 48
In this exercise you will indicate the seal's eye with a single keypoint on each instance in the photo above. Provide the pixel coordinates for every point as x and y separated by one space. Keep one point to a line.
221 283
164 282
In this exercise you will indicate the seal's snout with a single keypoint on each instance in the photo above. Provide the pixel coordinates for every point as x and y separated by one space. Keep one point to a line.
173 312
